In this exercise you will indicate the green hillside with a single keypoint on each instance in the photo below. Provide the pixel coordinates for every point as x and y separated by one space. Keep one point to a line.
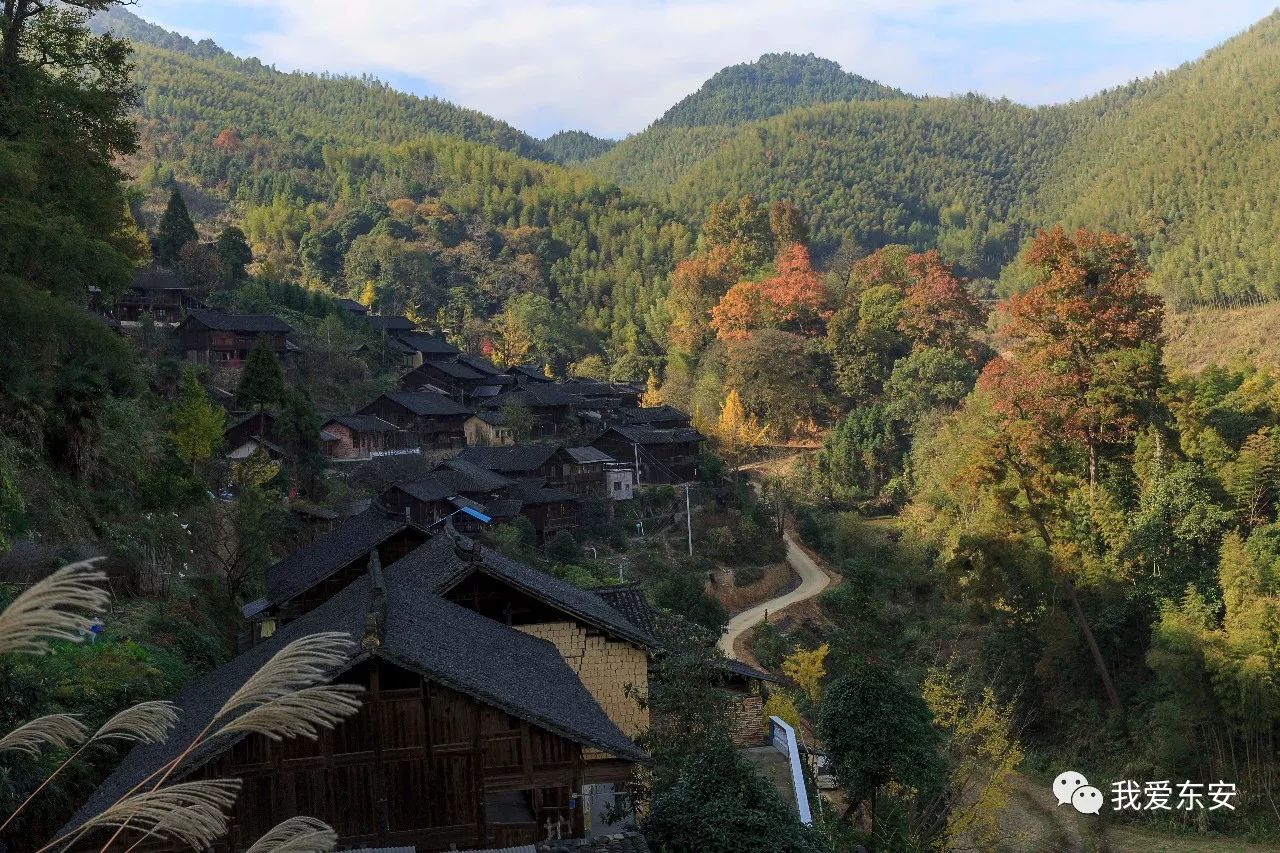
774 83
420 205
1175 159
574 146
186 83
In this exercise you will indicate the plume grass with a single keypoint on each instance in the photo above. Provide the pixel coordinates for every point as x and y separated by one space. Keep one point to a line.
302 663
302 713
60 607
56 730
146 722
192 813
297 835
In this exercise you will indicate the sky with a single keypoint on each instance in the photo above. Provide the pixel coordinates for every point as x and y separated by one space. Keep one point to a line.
611 67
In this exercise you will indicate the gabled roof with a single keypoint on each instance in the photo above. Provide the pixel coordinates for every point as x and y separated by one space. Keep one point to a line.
647 436
481 364
362 423
424 403
536 396
628 599
156 278
482 478
350 541
350 305
237 322
653 414
528 371
390 323
589 455
452 369
491 417
534 494
425 342
589 387
445 643
516 458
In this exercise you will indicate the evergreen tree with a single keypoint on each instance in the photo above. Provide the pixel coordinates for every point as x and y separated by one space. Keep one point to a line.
176 229
262 380
233 254
298 431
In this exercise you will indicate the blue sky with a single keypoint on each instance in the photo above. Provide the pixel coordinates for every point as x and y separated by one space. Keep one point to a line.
611 67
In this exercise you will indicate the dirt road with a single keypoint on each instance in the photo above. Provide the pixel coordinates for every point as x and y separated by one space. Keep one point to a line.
813 580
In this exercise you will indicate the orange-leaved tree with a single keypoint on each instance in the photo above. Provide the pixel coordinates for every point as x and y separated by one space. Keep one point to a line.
1078 379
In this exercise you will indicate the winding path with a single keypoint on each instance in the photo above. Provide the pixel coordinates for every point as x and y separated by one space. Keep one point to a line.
813 580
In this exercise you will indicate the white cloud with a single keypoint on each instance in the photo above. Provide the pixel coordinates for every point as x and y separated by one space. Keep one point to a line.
611 66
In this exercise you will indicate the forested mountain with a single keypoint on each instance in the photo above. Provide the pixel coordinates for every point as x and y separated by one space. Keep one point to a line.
574 146
186 83
412 204
774 83
1174 159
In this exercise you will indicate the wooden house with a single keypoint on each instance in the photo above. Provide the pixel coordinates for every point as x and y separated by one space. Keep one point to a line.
347 438
549 463
550 509
654 417
663 455
450 487
488 428
474 731
390 323
210 337
552 410
253 425
433 420
352 307
528 373
455 378
423 347
158 292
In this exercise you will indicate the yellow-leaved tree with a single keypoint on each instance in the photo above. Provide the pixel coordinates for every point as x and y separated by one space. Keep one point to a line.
737 433
652 397
983 752
782 705
806 667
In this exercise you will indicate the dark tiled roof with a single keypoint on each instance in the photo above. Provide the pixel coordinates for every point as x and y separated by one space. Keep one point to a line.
427 403
628 599
363 423
645 435
589 387
448 644
529 371
238 322
654 414
491 417
350 305
588 455
350 541
516 458
504 508
484 365
535 396
426 343
482 478
750 673
447 482
156 278
454 369
534 493
389 324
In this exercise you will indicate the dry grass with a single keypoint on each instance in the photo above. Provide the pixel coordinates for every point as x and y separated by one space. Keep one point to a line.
1224 337
297 835
60 607
56 730
776 578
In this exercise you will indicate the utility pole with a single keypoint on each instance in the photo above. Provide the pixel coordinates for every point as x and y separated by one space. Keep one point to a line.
635 446
688 517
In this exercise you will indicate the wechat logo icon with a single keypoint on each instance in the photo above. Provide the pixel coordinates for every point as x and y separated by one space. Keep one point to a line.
1071 787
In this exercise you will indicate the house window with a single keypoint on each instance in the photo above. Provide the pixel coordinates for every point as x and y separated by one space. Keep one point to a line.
617 485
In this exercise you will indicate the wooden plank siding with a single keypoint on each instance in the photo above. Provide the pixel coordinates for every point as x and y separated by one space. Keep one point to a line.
413 768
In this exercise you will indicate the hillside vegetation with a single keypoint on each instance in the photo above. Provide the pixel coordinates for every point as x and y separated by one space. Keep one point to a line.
1174 159
774 83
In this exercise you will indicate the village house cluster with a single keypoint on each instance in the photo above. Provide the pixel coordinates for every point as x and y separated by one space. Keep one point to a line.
503 703
582 439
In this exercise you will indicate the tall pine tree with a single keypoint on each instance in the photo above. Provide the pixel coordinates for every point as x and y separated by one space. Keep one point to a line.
262 382
176 229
